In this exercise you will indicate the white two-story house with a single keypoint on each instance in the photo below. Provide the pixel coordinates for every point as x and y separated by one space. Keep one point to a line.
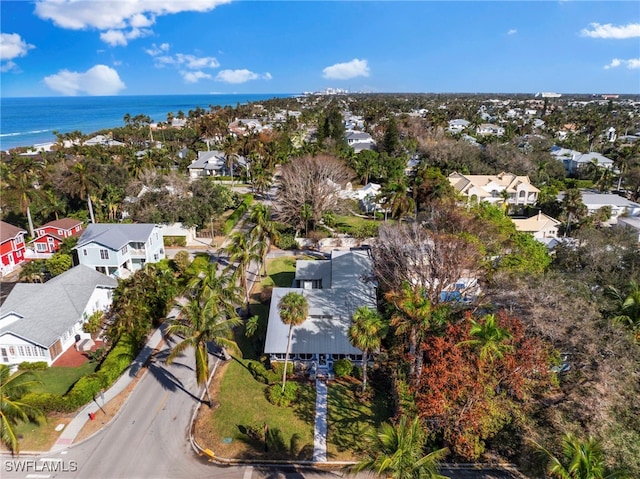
118 250
40 321
516 190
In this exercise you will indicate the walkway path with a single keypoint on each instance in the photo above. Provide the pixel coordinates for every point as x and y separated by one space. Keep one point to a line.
320 429
75 426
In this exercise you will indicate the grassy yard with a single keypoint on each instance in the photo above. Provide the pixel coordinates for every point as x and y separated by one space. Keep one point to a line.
242 403
349 417
350 223
58 380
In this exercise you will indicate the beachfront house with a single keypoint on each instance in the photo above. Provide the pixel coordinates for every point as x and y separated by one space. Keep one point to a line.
334 289
118 250
12 247
50 235
40 321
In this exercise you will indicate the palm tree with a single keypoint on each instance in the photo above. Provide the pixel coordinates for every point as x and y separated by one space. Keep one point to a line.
32 271
396 198
230 149
12 411
581 459
84 181
264 232
397 452
200 324
573 209
243 251
628 306
412 317
490 338
366 333
294 309
209 285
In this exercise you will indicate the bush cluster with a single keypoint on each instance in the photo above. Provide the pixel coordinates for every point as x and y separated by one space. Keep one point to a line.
36 366
238 213
286 241
277 397
342 367
86 388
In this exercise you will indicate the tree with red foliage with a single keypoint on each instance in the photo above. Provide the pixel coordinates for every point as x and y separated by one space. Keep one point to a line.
467 397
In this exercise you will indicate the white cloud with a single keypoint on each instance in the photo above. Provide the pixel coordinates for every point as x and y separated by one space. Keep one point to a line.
107 15
632 30
631 64
122 37
347 70
194 77
156 50
192 62
12 46
98 80
240 76
513 31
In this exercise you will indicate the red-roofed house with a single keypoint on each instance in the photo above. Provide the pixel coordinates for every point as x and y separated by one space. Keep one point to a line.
12 247
49 236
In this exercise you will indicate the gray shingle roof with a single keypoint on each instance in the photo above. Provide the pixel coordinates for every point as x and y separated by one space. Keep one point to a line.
50 309
115 236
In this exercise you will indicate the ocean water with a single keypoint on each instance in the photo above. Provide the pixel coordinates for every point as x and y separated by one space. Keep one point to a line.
32 121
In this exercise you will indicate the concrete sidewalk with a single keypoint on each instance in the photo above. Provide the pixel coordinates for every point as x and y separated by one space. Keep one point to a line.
77 423
320 428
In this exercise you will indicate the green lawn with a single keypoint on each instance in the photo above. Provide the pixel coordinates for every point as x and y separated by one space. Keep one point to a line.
349 417
280 272
243 404
58 380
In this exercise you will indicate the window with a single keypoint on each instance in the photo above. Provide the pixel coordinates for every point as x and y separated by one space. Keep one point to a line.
104 254
20 351
41 247
124 249
84 252
59 232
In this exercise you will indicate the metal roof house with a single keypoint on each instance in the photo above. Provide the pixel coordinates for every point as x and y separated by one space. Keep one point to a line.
334 289
39 322
119 249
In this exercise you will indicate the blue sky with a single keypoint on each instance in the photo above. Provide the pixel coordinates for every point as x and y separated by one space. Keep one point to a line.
133 47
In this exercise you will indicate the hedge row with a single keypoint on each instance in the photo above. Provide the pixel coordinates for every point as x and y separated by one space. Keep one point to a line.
238 213
86 388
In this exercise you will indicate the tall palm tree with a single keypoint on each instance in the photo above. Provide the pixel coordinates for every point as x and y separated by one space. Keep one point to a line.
396 198
12 411
581 459
264 232
209 285
200 324
573 209
243 251
627 306
412 316
366 333
294 309
397 452
84 182
230 150
489 338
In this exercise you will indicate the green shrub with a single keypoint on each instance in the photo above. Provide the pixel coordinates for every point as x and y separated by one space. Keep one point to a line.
180 241
47 402
277 368
343 367
35 366
287 241
277 397
85 390
259 372
238 213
